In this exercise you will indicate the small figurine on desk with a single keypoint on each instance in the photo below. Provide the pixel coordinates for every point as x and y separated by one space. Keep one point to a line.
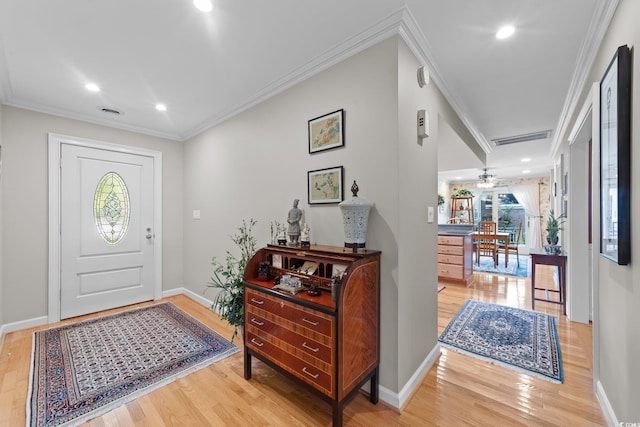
304 237
275 227
282 237
313 291
293 218
263 271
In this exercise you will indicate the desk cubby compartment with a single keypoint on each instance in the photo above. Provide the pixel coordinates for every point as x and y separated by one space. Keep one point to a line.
332 348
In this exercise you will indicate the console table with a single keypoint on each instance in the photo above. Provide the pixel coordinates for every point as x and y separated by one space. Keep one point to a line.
539 256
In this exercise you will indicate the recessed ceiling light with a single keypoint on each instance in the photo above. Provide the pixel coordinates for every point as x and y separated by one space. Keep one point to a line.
458 177
161 107
525 159
203 5
526 171
92 87
505 31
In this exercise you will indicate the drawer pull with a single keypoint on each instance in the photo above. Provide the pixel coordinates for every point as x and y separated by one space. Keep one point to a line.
311 322
315 350
256 322
445 271
258 343
304 369
257 301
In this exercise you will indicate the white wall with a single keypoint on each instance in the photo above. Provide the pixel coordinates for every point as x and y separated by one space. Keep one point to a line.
25 209
619 286
1 228
255 164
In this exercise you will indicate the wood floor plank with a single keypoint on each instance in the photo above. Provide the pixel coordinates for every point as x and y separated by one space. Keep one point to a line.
458 390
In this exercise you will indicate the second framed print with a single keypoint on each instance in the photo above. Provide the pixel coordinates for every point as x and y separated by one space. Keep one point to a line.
326 132
325 185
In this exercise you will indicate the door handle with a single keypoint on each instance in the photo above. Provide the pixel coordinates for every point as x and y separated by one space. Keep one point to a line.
149 236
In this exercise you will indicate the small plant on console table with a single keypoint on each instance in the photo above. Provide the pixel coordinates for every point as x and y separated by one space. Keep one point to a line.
227 278
554 224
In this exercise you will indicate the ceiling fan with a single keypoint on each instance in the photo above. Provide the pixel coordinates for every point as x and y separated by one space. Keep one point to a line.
486 180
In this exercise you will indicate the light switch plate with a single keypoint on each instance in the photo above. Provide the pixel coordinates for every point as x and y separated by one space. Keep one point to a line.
430 214
196 214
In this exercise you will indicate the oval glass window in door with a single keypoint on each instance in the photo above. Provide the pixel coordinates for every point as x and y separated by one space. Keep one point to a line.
111 208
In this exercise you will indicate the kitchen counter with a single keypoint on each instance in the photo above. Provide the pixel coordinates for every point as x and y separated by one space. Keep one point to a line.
455 229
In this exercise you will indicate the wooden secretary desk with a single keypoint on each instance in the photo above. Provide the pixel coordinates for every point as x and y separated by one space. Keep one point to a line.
330 347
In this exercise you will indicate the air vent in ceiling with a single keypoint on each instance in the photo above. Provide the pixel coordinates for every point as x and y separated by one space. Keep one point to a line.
110 110
522 138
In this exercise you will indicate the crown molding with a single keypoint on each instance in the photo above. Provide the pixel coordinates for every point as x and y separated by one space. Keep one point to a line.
5 82
402 23
597 30
371 36
89 119
414 38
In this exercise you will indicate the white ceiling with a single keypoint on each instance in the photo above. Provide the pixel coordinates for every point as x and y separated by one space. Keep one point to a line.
207 67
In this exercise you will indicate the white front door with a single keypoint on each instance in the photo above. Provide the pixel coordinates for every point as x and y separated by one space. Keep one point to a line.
106 229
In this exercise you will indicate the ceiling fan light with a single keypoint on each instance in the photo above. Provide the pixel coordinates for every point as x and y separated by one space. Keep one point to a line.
485 184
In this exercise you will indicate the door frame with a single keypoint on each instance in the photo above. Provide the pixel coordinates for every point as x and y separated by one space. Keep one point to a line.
589 117
55 142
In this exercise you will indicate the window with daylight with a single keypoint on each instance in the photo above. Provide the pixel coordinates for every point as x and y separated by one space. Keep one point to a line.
111 208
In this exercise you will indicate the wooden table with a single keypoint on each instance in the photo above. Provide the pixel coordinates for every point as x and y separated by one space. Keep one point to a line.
499 236
539 256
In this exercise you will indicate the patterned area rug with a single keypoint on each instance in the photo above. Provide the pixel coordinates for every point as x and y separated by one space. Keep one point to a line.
82 370
486 265
526 341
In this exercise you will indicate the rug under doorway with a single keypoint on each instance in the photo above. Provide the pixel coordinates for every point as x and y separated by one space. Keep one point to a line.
82 370
522 340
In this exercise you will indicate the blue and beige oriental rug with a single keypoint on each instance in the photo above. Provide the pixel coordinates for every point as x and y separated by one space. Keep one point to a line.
82 370
512 269
523 340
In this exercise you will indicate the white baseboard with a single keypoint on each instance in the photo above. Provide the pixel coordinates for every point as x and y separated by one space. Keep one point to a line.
43 320
184 291
397 400
23 324
417 376
605 405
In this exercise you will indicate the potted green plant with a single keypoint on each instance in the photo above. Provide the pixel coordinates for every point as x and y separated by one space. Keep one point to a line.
440 200
227 278
554 225
462 192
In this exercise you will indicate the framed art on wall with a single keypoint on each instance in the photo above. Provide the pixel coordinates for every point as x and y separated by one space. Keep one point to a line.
326 132
615 155
325 185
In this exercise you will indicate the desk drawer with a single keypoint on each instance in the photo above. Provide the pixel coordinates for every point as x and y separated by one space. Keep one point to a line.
451 250
450 259
450 271
299 342
313 375
451 240
305 317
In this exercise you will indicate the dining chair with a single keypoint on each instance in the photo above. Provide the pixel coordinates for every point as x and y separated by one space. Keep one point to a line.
487 246
512 246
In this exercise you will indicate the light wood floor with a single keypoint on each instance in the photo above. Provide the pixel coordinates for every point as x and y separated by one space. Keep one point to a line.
458 390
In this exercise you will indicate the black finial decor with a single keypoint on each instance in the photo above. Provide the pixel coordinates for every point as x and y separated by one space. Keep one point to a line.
354 189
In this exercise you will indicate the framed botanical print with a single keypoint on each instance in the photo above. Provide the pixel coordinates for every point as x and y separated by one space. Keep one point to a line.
326 132
615 155
325 185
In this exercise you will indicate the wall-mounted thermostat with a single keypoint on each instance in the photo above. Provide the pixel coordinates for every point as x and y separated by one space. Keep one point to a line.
423 124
